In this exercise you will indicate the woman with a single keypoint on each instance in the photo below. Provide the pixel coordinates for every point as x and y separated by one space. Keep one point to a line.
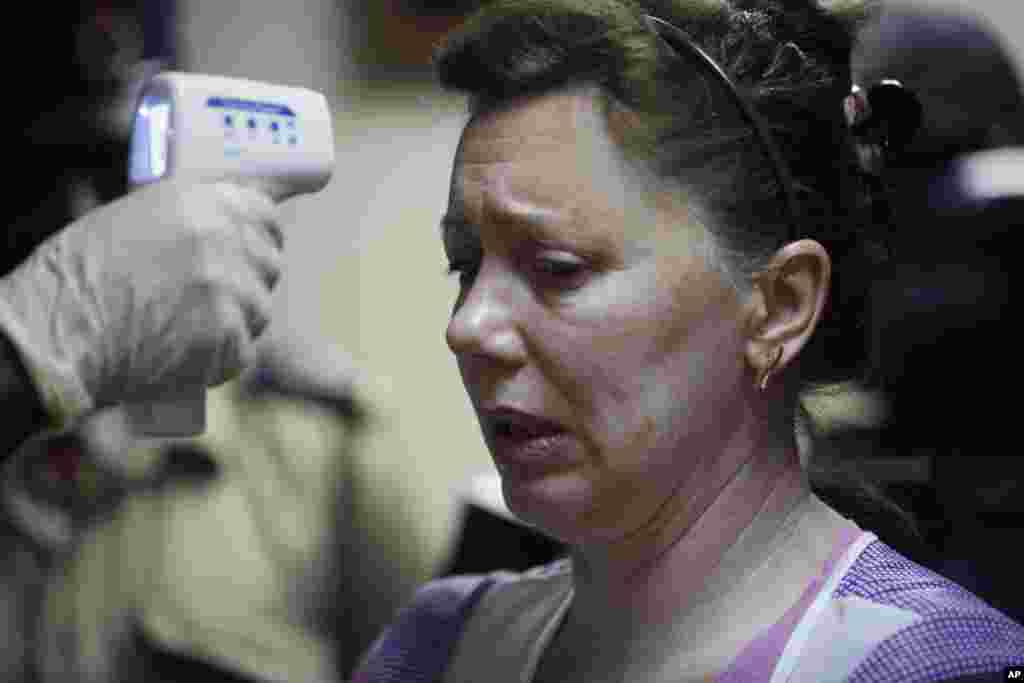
649 278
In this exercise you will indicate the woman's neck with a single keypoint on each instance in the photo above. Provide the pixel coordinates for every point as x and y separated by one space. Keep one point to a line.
618 601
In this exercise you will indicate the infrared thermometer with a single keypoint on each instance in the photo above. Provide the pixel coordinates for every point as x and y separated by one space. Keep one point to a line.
218 128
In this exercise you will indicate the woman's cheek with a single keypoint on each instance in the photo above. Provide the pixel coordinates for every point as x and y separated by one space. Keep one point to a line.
626 489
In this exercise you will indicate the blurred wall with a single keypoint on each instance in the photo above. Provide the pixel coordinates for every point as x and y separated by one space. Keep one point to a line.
364 267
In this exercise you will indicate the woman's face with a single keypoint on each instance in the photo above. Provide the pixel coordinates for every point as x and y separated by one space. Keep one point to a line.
601 352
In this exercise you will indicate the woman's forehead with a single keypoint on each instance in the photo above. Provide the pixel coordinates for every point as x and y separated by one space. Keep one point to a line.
556 144
552 111
530 126
557 151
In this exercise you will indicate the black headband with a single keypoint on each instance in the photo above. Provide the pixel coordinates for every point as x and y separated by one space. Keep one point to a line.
683 46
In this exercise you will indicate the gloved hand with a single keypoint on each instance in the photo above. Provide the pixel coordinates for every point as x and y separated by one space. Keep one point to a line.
164 289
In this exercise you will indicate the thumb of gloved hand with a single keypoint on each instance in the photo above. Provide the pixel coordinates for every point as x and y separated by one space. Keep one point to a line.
162 291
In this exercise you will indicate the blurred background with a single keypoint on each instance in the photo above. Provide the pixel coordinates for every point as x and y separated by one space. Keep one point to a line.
416 496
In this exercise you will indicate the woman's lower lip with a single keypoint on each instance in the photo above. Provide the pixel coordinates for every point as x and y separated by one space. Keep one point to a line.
521 457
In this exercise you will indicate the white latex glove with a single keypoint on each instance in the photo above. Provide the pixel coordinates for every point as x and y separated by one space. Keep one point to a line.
162 290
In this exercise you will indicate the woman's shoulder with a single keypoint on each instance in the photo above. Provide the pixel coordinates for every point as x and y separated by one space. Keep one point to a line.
944 631
885 577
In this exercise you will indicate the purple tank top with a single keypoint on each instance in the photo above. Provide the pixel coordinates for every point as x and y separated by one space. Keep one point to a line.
949 632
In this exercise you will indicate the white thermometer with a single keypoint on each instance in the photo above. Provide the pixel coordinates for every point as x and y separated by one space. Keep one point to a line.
212 128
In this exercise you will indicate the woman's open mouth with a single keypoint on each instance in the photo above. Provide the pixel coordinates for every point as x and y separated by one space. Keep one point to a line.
526 445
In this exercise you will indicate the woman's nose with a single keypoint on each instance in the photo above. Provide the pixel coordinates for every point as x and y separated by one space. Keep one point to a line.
485 321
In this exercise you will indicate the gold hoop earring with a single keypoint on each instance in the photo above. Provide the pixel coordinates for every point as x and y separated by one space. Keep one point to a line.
762 382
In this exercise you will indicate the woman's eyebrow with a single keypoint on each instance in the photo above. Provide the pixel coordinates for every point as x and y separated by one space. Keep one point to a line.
543 225
554 226
535 219
537 222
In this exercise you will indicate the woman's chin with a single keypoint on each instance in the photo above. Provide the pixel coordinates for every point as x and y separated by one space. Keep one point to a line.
555 503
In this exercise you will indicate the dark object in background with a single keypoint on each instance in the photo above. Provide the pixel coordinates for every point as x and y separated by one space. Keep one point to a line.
939 327
188 462
880 507
490 538
959 68
64 135
152 663
490 542
395 39
941 334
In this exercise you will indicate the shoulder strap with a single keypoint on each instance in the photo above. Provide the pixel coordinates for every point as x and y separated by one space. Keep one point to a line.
418 646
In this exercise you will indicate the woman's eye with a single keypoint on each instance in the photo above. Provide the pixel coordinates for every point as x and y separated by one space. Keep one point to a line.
557 272
565 272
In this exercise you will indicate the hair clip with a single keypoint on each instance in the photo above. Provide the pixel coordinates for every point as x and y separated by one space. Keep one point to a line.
882 118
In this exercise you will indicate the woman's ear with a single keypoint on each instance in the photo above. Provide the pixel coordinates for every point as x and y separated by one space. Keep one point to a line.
785 304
